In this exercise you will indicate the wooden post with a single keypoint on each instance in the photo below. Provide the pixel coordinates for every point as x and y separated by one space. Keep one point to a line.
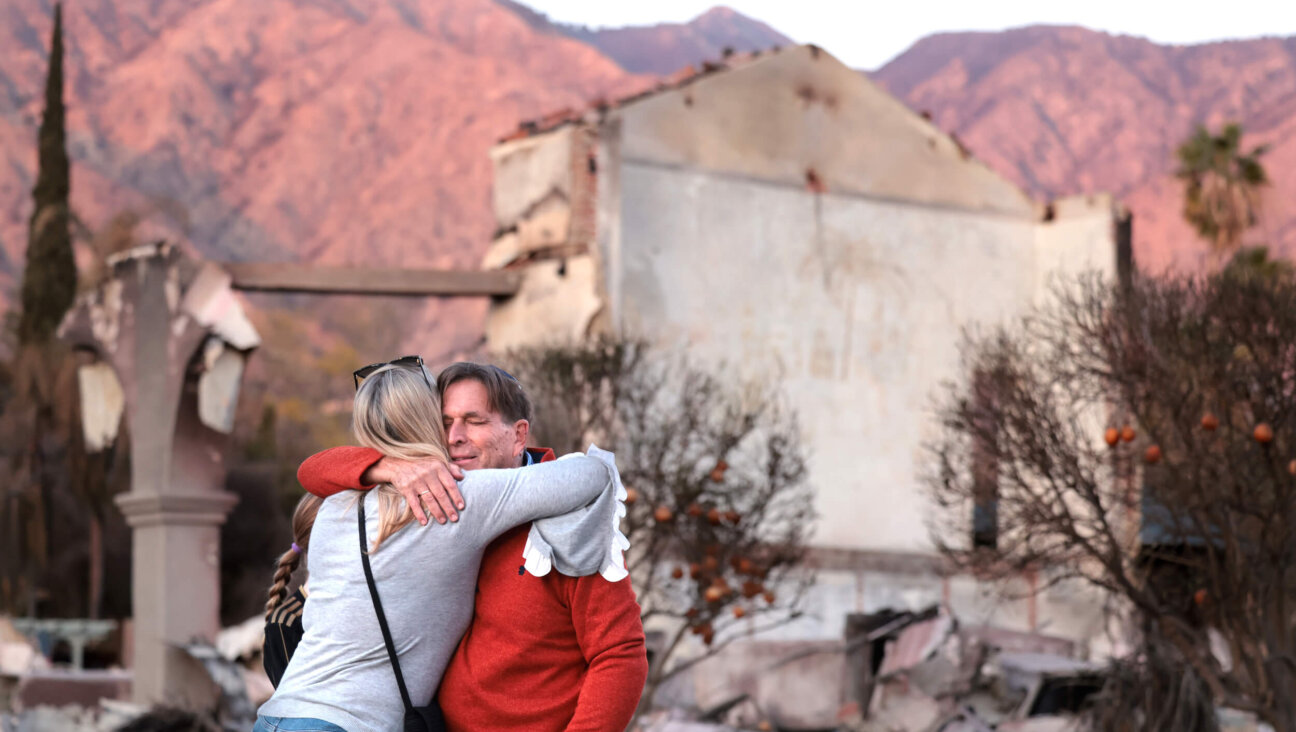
288 277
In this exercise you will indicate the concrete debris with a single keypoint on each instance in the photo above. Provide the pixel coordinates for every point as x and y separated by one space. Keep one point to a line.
934 674
242 642
211 302
218 386
53 719
19 658
790 685
70 688
915 644
682 726
676 720
236 709
897 670
102 404
109 716
18 653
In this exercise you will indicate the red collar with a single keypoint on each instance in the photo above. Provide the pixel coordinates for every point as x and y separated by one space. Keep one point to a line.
542 454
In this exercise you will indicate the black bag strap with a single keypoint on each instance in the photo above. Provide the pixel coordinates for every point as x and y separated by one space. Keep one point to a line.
382 619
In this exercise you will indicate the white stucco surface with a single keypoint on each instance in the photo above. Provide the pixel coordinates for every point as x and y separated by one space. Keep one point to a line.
528 172
800 109
857 305
789 221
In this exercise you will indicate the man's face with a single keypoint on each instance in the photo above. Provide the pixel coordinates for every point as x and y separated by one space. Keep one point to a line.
479 437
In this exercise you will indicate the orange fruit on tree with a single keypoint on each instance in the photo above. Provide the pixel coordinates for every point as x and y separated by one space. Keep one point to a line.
714 594
1128 434
718 472
710 564
738 611
695 569
713 516
745 565
768 595
632 495
1209 422
732 516
1111 436
694 510
1263 433
1200 596
677 573
663 514
1152 454
1291 467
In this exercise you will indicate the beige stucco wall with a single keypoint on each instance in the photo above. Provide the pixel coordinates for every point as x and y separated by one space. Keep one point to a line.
800 109
857 305
558 302
855 299
1080 238
529 172
854 295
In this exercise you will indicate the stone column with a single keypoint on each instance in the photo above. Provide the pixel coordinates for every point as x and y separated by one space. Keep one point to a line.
176 340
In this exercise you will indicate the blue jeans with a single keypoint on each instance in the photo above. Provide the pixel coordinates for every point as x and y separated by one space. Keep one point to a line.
294 724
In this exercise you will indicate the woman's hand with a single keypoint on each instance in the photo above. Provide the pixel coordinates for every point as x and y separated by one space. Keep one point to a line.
428 483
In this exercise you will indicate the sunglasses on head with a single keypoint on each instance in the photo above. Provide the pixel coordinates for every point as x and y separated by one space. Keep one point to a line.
409 362
511 377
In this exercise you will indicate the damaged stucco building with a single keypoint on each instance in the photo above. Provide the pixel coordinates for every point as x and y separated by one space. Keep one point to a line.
783 215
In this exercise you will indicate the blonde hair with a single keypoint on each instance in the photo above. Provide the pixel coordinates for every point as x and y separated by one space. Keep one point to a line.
303 519
398 413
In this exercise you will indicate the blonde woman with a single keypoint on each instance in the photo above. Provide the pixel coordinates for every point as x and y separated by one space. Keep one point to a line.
340 677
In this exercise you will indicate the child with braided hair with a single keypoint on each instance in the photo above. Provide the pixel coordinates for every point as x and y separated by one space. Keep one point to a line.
283 612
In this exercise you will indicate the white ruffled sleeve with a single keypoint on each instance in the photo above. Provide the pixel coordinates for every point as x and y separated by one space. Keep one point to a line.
585 541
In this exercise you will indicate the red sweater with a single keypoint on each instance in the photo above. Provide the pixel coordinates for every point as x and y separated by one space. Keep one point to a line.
542 653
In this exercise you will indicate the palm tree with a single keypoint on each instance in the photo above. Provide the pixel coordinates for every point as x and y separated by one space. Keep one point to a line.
1221 186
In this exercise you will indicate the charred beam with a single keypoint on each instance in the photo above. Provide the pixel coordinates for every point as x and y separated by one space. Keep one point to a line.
287 277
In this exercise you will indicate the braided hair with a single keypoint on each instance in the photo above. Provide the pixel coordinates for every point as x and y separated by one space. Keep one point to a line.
303 519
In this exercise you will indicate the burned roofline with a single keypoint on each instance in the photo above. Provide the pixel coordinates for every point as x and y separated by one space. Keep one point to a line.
596 111
600 106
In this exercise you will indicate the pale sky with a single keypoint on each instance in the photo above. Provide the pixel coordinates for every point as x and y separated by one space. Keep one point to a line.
865 35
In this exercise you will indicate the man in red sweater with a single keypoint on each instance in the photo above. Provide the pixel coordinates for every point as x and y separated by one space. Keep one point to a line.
542 653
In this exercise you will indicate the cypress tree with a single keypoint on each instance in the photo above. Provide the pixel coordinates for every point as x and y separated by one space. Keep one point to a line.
38 464
49 279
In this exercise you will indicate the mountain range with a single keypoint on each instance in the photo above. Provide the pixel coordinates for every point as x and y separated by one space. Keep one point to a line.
1067 110
356 131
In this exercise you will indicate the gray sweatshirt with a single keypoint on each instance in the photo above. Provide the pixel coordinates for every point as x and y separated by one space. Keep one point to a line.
426 577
